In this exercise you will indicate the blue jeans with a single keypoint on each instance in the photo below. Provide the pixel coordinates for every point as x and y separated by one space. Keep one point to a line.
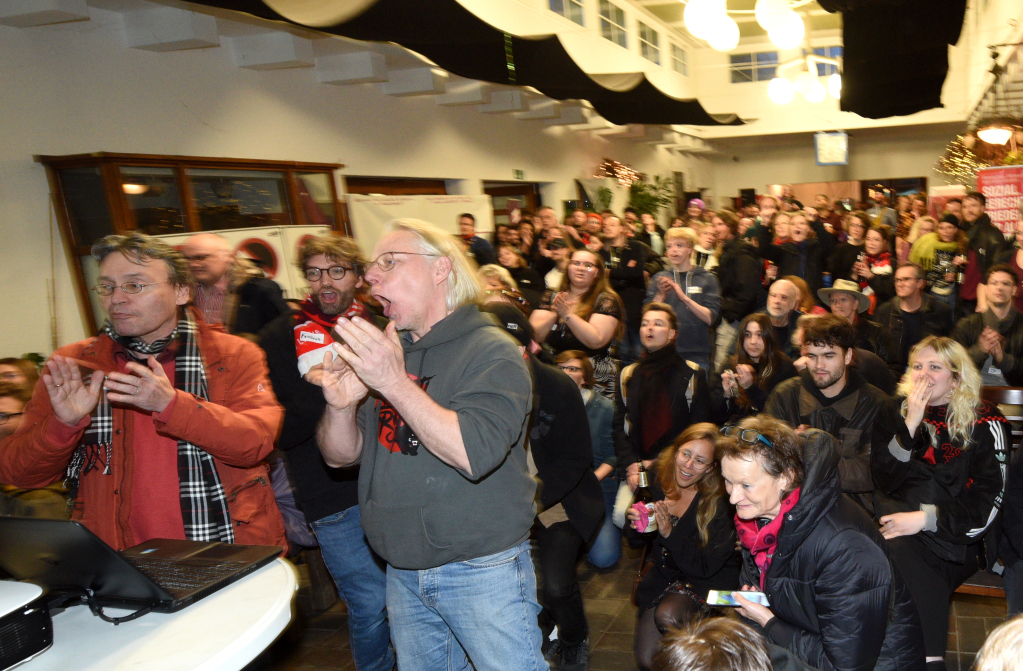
361 583
483 609
607 546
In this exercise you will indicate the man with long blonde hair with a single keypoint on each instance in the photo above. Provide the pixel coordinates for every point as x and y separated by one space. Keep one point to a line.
444 492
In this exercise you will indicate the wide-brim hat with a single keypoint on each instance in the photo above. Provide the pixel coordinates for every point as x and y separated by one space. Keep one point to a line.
845 287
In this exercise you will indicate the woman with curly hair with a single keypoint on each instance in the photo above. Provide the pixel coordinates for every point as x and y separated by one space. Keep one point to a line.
693 549
745 381
939 480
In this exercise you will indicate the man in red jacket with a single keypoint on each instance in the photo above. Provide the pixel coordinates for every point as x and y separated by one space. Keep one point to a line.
160 425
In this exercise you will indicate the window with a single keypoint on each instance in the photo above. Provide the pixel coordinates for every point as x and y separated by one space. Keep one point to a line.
570 9
239 198
679 60
649 43
758 67
152 195
826 69
612 23
103 193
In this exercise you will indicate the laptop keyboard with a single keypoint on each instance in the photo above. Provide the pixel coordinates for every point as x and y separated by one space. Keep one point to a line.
182 575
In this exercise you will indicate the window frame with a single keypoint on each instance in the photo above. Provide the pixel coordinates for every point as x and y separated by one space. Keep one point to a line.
123 217
609 28
827 69
646 45
684 61
567 13
756 68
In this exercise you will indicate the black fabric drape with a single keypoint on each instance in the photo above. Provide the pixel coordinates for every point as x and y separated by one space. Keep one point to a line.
463 44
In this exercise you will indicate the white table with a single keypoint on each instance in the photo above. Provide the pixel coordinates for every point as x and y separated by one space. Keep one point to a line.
223 632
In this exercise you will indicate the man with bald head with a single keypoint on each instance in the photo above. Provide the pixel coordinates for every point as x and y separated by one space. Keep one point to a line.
231 296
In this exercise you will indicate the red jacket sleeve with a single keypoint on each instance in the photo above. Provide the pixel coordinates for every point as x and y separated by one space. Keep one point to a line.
241 431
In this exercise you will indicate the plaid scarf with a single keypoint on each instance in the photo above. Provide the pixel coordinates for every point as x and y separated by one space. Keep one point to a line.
204 508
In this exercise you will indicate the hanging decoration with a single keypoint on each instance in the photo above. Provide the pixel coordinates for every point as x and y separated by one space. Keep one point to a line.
709 20
625 174
959 164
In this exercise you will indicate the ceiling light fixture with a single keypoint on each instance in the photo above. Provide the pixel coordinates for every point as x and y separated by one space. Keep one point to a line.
800 75
709 20
999 126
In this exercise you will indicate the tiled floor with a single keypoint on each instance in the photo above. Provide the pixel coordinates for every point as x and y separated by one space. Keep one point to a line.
319 641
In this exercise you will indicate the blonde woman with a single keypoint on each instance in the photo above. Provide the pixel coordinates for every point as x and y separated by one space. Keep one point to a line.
938 482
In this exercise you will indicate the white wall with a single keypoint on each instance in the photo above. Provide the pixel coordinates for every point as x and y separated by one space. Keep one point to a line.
76 88
873 154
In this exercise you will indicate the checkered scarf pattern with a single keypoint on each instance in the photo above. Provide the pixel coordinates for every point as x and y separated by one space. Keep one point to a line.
204 509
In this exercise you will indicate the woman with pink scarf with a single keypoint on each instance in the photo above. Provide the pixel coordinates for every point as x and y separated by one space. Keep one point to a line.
834 599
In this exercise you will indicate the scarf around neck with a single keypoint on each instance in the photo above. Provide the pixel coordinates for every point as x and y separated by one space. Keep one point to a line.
762 542
313 331
204 509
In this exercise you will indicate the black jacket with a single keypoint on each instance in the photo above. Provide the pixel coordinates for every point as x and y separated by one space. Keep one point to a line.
936 319
850 419
727 410
628 280
967 333
986 240
559 438
628 445
961 491
531 285
319 489
842 260
738 272
873 338
1011 545
260 301
838 601
807 260
680 557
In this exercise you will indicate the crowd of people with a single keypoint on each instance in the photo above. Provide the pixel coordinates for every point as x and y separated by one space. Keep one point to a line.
796 389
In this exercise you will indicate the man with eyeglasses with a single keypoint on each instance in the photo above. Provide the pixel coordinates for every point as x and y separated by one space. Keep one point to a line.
831 396
444 492
230 294
912 314
160 425
329 497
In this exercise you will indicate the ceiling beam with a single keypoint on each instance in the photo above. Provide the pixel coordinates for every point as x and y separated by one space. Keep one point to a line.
31 13
169 29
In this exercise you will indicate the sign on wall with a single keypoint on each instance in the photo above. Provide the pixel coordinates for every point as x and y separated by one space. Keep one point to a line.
1003 188
370 213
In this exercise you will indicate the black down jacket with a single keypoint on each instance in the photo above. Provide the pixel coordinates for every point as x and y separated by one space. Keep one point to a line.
838 601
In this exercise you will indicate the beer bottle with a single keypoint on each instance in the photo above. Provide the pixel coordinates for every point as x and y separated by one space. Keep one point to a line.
645 497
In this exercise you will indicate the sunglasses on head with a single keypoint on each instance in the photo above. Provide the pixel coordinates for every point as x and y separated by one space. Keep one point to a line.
746 435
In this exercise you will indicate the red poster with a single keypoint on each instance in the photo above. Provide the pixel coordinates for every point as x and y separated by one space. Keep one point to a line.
1003 189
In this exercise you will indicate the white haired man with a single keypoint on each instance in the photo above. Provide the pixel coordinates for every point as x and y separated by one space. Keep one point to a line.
444 491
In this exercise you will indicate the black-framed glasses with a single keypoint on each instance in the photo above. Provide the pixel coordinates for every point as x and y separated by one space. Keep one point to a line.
313 274
127 287
571 369
4 416
745 435
386 261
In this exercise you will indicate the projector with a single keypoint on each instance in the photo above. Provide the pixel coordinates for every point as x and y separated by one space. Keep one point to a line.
25 626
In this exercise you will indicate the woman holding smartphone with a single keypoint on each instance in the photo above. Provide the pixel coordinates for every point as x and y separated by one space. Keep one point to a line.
836 601
693 549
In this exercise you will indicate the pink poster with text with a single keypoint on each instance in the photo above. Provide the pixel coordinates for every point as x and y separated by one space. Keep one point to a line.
1003 189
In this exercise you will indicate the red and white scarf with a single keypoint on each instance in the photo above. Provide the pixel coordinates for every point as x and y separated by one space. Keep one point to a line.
763 541
312 331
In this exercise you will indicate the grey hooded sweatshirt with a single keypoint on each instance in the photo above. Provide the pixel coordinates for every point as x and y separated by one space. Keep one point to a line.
419 512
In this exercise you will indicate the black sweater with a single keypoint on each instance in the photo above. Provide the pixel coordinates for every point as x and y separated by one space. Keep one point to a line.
559 438
319 489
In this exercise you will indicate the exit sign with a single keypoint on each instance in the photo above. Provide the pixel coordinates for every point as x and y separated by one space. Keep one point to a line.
518 174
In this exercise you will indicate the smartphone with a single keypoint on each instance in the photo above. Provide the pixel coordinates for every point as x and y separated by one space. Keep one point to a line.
723 598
